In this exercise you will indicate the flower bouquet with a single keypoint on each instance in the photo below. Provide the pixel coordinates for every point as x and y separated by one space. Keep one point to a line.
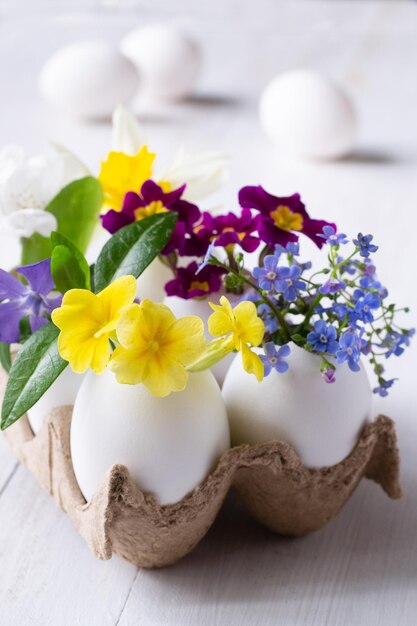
110 394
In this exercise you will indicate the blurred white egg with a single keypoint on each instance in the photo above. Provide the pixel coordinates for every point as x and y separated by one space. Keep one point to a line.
61 393
201 307
167 59
88 79
322 421
169 445
308 115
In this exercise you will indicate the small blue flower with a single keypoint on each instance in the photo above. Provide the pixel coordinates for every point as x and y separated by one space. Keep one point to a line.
274 359
207 257
349 351
288 283
363 242
332 286
323 338
269 275
384 385
268 318
349 268
332 238
364 307
340 310
395 343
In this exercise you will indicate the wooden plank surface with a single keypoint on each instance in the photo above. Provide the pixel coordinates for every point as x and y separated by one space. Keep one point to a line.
362 569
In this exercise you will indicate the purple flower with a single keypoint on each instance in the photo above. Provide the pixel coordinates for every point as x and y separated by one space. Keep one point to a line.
190 284
288 283
349 350
363 242
329 376
323 338
280 219
274 359
332 286
19 301
231 229
151 200
269 275
333 238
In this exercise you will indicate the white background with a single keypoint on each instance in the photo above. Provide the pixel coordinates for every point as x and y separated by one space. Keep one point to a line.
362 569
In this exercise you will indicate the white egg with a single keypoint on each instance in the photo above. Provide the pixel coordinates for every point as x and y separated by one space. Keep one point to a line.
167 59
88 79
169 445
308 115
151 283
61 393
181 307
322 421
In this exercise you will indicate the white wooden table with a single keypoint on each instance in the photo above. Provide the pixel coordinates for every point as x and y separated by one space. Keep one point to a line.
362 569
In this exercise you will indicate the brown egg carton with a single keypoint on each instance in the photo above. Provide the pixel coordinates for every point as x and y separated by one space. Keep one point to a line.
277 489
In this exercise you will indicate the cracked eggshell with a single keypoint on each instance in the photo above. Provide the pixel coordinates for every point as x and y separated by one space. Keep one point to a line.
321 421
167 59
62 392
88 79
308 115
169 445
181 307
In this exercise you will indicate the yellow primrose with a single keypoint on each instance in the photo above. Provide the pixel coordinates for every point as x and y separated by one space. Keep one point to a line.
155 347
87 321
246 329
122 172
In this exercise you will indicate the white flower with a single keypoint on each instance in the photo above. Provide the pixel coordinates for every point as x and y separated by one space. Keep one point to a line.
203 173
28 184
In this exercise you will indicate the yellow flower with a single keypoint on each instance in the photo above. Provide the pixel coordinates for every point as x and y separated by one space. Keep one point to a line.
246 329
285 219
156 347
121 173
87 321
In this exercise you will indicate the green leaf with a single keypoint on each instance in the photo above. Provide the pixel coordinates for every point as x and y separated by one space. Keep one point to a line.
76 208
37 365
69 266
132 248
5 358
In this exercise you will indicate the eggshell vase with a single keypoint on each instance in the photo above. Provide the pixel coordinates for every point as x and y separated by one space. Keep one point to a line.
273 483
61 393
321 421
169 444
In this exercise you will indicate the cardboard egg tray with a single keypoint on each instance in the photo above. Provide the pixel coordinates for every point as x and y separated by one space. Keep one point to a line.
271 480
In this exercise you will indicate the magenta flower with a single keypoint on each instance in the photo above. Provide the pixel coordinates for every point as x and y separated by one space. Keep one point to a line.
230 229
280 220
32 300
151 200
190 284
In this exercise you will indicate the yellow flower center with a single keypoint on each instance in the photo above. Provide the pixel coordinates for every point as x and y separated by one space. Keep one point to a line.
153 346
150 209
285 219
200 284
